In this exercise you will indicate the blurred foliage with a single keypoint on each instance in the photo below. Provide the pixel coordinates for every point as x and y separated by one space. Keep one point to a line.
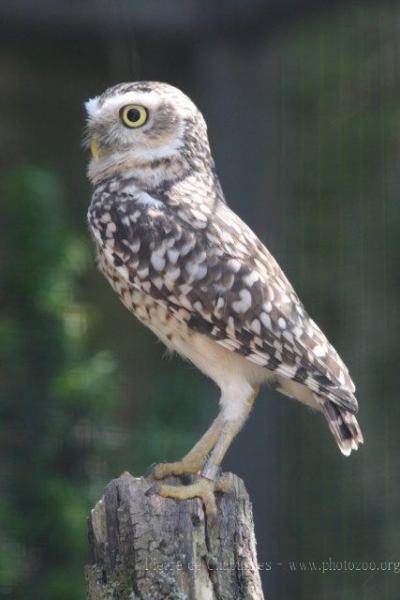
56 396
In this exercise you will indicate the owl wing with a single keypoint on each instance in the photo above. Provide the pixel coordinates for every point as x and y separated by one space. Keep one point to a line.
214 273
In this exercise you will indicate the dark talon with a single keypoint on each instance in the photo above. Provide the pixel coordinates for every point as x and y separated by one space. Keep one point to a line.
153 489
187 478
149 470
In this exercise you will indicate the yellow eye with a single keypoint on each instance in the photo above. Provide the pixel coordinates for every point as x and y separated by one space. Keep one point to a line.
133 115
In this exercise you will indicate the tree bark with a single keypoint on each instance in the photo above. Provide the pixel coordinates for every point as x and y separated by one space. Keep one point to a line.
152 548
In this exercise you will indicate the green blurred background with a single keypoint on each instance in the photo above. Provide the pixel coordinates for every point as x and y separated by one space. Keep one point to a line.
302 100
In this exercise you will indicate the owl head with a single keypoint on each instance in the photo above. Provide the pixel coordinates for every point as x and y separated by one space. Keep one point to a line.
133 124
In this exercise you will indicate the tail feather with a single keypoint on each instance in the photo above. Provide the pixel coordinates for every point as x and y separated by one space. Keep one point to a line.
343 425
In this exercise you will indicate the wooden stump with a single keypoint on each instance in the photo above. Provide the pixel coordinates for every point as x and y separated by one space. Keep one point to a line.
152 548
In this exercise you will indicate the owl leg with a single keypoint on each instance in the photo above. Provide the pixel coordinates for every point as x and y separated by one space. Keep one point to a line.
195 459
210 481
234 421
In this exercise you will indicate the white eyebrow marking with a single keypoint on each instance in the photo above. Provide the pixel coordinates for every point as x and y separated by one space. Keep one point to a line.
92 106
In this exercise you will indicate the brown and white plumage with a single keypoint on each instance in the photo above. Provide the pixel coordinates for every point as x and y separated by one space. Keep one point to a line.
192 271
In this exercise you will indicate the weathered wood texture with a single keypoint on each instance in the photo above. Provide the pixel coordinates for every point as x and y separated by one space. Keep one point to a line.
151 548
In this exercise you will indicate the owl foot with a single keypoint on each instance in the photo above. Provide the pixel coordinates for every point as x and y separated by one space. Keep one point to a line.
203 488
194 460
189 465
185 466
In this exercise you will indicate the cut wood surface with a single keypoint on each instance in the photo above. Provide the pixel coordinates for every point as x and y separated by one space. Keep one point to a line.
153 548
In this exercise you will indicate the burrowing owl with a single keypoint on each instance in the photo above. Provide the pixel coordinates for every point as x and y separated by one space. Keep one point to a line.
198 277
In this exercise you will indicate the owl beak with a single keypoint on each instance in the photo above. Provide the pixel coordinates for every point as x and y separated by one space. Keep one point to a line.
95 149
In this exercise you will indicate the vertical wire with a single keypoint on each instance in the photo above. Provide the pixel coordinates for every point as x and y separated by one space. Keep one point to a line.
320 210
283 162
300 433
384 196
361 200
361 364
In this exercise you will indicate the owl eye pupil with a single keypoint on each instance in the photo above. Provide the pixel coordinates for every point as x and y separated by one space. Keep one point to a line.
133 115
